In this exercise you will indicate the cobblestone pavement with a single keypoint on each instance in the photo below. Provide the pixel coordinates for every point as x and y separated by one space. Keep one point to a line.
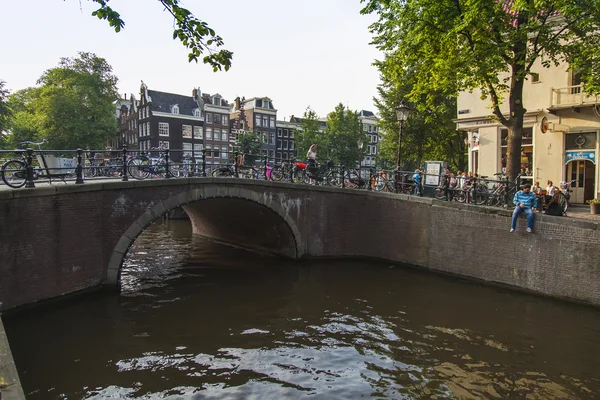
582 212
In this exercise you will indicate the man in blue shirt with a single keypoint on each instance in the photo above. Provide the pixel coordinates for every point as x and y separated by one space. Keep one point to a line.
417 180
525 201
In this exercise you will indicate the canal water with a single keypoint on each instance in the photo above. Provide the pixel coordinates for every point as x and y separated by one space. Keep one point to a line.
197 319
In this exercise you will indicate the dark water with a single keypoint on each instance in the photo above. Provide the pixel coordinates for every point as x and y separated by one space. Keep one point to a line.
200 320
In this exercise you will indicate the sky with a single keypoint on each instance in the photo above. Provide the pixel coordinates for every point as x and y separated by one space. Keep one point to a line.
299 53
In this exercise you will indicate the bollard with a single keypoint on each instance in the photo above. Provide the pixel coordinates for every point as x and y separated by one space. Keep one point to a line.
203 162
79 169
29 179
474 191
235 164
265 167
167 165
124 177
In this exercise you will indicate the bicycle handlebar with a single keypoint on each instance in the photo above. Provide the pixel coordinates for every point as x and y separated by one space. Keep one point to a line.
36 143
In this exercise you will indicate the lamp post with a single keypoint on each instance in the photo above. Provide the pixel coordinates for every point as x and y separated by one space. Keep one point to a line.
402 112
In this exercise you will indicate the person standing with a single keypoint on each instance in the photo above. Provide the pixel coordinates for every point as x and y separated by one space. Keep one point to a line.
417 180
525 202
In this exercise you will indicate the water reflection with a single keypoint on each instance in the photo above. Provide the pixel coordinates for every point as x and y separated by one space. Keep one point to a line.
201 320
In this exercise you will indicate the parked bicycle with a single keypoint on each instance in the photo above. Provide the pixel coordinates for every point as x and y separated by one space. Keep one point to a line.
14 171
143 166
317 174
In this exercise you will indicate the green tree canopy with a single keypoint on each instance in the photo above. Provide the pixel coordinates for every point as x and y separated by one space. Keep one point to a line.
309 134
456 45
193 33
4 113
429 133
73 106
344 134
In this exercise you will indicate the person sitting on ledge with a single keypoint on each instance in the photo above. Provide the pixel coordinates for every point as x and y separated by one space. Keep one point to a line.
525 201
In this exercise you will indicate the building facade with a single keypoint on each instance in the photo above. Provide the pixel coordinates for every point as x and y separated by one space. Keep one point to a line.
284 142
371 148
560 136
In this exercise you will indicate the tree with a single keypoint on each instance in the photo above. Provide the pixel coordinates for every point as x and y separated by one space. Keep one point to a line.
489 45
344 133
193 33
310 133
429 133
249 144
73 106
4 113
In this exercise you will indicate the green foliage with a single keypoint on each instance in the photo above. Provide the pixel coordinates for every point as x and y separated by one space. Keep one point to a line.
309 134
5 113
455 45
344 133
73 106
250 145
193 33
429 133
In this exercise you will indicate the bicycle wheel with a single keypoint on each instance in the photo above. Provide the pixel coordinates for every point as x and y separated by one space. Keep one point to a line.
222 172
298 175
277 174
138 169
174 171
352 180
14 173
563 202
481 195
439 193
334 178
460 196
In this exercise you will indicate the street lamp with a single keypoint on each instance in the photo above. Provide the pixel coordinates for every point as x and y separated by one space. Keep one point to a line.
402 112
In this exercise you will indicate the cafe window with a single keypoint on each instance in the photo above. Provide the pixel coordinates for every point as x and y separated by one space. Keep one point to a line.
526 160
576 141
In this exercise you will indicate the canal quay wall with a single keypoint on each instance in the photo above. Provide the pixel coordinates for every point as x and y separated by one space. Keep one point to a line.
10 385
67 238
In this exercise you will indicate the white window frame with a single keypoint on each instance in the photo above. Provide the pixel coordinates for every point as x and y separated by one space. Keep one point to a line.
163 129
163 145
224 135
175 109
197 132
209 133
188 129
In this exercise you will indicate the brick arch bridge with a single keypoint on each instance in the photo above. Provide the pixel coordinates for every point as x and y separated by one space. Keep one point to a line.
66 238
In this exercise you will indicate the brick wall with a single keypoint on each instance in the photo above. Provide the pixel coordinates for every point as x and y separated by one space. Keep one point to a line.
63 239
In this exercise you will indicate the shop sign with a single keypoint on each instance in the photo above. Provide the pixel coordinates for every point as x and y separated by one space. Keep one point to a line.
581 155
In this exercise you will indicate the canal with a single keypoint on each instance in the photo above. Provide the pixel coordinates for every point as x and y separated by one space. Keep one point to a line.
197 319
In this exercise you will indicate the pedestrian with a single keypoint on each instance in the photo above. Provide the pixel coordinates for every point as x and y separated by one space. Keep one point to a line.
525 202
417 181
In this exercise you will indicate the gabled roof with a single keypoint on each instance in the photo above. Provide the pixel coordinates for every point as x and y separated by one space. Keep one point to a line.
163 102
365 113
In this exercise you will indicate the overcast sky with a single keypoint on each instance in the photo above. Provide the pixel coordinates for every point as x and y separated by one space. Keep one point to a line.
299 53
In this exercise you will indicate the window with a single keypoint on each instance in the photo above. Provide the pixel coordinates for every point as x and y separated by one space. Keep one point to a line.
285 144
209 118
224 135
217 134
197 113
272 138
291 134
198 147
535 77
175 109
187 149
209 133
148 128
225 120
271 153
216 152
291 145
198 132
526 150
163 129
272 122
264 152
217 119
279 143
278 132
208 150
186 131
257 120
263 137
163 145
369 128
285 156
278 155
285 133
265 121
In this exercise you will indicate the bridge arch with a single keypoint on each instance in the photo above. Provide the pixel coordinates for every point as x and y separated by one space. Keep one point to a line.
248 211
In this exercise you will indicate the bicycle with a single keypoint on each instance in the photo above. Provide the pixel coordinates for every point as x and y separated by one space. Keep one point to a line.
14 171
142 166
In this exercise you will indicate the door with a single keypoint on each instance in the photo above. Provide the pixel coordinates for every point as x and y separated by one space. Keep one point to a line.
582 174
